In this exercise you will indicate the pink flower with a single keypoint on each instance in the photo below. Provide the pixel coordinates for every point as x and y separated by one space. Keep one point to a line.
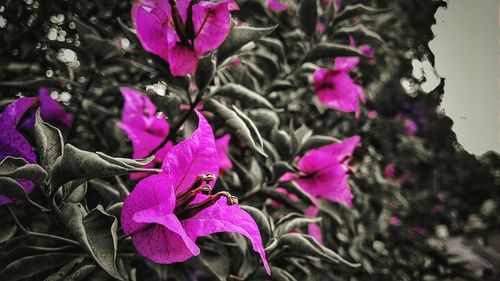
222 145
404 177
419 230
372 114
437 209
12 142
145 128
277 6
410 127
313 228
336 89
395 220
349 63
320 26
181 31
324 171
165 213
390 171
51 112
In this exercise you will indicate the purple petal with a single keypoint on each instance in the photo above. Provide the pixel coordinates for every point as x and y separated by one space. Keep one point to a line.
192 157
343 149
53 112
314 229
151 20
182 60
212 23
336 89
13 143
223 218
222 145
277 6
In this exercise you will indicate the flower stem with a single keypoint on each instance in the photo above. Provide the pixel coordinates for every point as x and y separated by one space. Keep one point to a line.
38 234
179 124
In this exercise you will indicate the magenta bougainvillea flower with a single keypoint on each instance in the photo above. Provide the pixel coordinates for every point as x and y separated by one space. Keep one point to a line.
165 213
277 6
145 127
390 171
395 220
410 127
181 31
336 89
324 171
12 142
51 112
222 146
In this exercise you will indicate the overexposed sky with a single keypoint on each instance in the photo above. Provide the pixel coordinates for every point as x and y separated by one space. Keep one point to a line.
467 50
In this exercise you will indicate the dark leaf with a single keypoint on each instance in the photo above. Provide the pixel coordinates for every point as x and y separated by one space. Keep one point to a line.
357 10
240 36
234 123
64 270
97 234
49 143
245 95
361 32
205 71
331 50
7 232
74 192
293 221
262 221
18 168
308 16
12 189
315 142
80 273
83 165
28 266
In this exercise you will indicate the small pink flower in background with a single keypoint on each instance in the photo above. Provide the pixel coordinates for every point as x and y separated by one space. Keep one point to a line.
349 63
336 89
395 220
390 171
144 126
320 26
292 196
12 142
182 33
410 127
277 6
419 230
324 171
165 213
222 145
313 228
372 114
437 209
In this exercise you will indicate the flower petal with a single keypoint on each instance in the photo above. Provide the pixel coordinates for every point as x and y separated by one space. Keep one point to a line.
151 20
222 145
182 60
314 229
192 157
223 218
336 89
151 192
277 6
53 112
212 22
165 241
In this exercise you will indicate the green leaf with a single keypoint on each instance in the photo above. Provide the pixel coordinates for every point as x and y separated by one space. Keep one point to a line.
64 270
76 164
115 209
262 222
308 16
7 232
251 126
215 261
280 168
282 141
205 71
105 190
26 267
306 245
80 273
74 192
274 45
331 50
240 36
293 221
12 189
33 83
49 143
316 142
361 33
19 168
245 95
234 123
97 234
357 10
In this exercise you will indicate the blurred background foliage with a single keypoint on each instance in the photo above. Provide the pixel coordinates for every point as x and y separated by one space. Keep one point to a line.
442 201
